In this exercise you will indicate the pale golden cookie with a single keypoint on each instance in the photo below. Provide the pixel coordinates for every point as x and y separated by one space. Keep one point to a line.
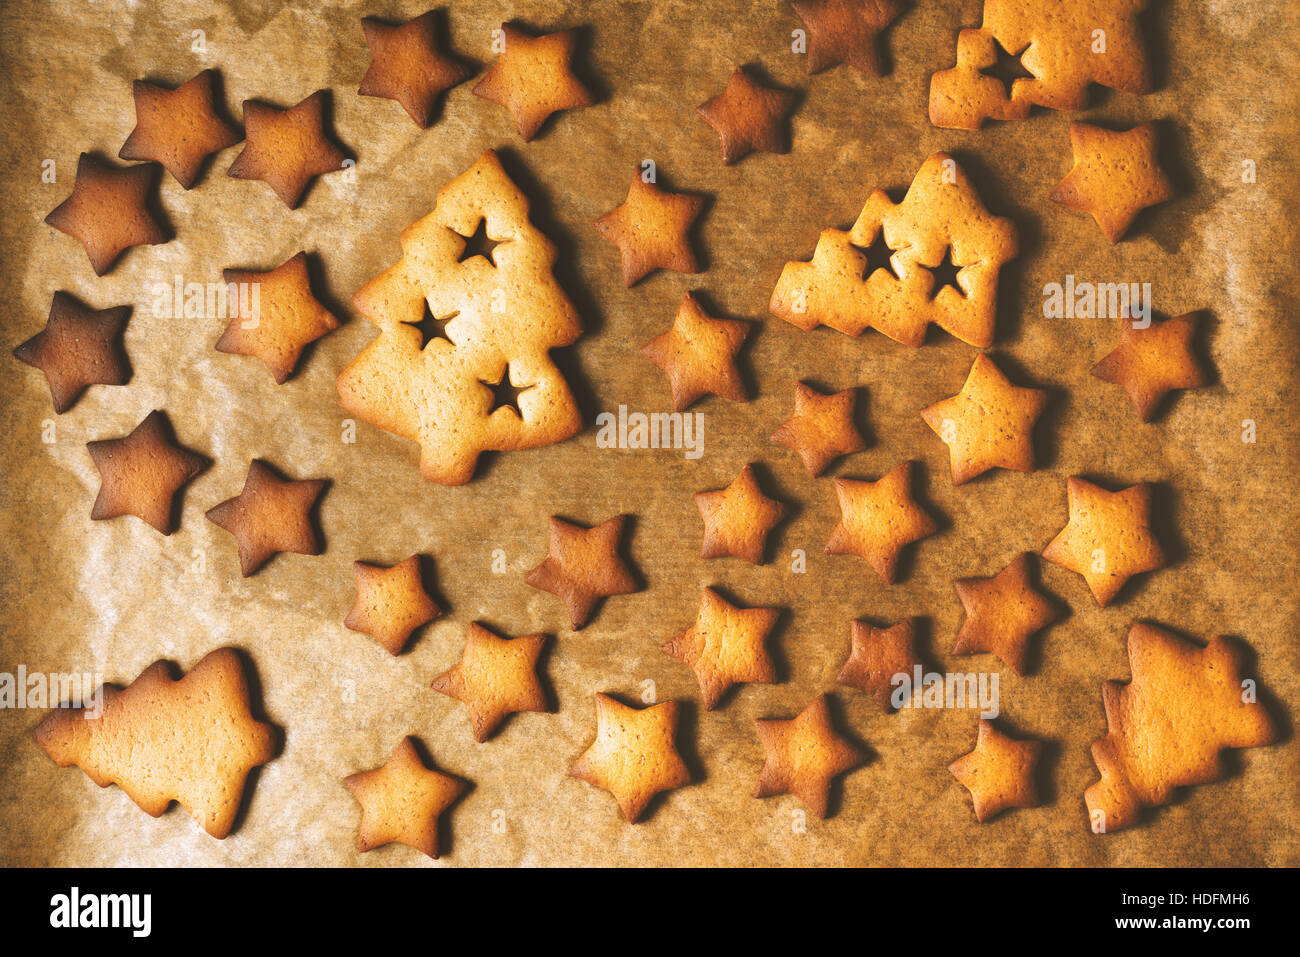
803 755
496 677
402 800
737 519
821 429
634 756
999 773
1149 363
1116 175
878 519
699 355
391 603
532 78
725 646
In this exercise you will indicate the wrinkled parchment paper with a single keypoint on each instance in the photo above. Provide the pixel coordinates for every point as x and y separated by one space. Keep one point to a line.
111 597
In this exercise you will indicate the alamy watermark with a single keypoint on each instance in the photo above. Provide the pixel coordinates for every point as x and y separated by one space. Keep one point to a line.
922 689
1098 300
39 689
653 430
208 300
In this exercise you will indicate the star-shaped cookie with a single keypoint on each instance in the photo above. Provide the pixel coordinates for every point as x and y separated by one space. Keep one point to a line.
496 677
109 210
178 128
737 519
846 31
270 515
407 66
989 424
699 355
287 148
1116 175
288 317
1108 539
78 347
876 655
651 230
999 773
725 646
747 117
878 519
533 78
803 755
1002 613
582 566
402 800
821 429
141 473
391 603
633 756
1149 363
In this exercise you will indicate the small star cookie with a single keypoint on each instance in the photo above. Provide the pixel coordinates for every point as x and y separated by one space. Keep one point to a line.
803 755
533 78
178 128
1149 363
1002 613
78 347
109 210
878 519
407 66
287 148
496 677
725 646
402 800
141 473
876 656
846 31
1116 175
1108 539
699 355
270 515
999 773
582 566
737 519
821 429
650 229
391 603
633 756
747 117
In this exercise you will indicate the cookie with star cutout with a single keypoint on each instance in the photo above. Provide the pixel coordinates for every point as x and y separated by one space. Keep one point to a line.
999 773
287 148
407 65
402 801
533 78
725 646
846 31
651 230
1002 614
583 566
737 519
803 755
1116 175
879 519
747 116
142 473
699 355
496 677
1150 363
79 347
876 656
270 515
110 210
391 603
821 429
178 128
634 756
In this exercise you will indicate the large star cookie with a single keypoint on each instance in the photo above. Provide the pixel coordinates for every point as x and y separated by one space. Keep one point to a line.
878 519
1002 613
633 757
1150 363
747 116
402 801
391 603
1116 175
78 347
821 429
699 355
110 210
651 230
287 148
846 31
533 78
496 677
582 566
141 473
877 656
803 755
999 773
406 65
178 128
737 519
725 646
270 515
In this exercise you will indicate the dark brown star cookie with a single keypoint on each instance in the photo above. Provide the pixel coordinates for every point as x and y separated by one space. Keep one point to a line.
109 210
178 128
142 472
270 515
287 148
407 66
78 347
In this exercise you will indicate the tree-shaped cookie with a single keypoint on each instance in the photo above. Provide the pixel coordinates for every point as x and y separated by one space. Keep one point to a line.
504 312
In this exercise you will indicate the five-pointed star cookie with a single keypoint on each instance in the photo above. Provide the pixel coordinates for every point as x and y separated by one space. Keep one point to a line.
650 229
748 117
633 756
989 424
846 31
141 473
999 773
533 78
287 148
582 566
821 429
391 603
496 677
287 316
1108 539
270 515
876 655
178 128
1149 363
878 519
699 355
737 519
1116 175
725 646
78 347
802 755
407 66
109 210
402 801
1002 613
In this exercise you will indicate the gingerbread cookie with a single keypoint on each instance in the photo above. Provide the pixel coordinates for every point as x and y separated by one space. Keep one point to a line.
1116 175
878 519
651 230
178 128
1002 614
699 355
287 148
582 566
846 31
725 646
821 429
110 210
999 773
78 347
402 800
391 603
803 755
406 65
876 656
737 519
162 740
982 86
270 515
141 473
747 116
533 78
1151 362
633 757
496 677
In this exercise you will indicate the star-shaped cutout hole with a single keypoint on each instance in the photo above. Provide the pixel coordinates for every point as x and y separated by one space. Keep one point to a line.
945 274
1007 68
479 244
879 256
505 394
434 327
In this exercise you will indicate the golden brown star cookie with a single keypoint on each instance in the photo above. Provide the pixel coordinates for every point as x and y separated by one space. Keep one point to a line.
878 519
699 355
846 31
1149 363
109 210
270 515
999 773
1002 614
633 757
407 66
391 603
582 566
821 429
287 148
402 800
78 347
725 646
141 473
287 318
651 230
747 117
989 424
737 519
1116 175
1108 539
876 655
178 128
496 677
963 97
533 78
803 755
